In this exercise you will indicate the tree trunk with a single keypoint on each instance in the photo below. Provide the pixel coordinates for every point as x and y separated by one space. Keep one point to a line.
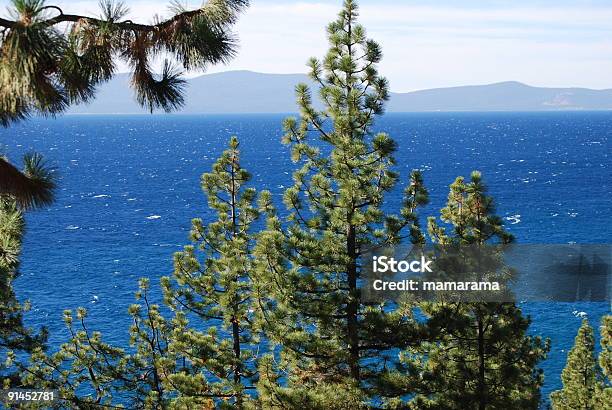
235 323
482 399
353 304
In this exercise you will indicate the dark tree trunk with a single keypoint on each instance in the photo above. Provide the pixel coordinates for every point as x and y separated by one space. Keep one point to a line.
353 305
482 397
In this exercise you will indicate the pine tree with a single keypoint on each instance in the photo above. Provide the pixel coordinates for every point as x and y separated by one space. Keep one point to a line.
582 384
90 373
203 357
212 293
333 345
605 360
477 355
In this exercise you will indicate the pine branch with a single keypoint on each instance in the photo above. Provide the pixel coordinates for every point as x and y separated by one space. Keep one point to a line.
129 25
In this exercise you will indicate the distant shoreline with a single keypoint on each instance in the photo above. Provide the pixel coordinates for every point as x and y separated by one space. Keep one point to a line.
241 92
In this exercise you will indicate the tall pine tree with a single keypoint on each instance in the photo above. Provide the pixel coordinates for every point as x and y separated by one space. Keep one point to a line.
334 345
204 357
212 293
477 354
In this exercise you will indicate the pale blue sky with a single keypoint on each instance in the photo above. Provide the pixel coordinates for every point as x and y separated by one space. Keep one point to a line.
430 44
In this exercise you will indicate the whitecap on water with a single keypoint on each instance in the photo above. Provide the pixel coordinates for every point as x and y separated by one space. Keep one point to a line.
101 196
72 227
152 217
513 219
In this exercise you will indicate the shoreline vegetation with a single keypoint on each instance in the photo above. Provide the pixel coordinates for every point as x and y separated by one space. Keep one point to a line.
264 311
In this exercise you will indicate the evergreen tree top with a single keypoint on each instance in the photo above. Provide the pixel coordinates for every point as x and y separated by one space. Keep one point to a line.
583 380
471 213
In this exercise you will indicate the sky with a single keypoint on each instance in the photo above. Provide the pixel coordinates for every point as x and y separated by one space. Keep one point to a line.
427 44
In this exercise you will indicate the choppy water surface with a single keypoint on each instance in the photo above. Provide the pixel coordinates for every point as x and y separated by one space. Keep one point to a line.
130 186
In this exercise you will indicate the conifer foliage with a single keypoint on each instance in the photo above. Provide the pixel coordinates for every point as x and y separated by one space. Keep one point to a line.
477 355
90 373
605 357
51 59
32 187
212 292
331 340
44 67
199 353
37 183
270 316
586 384
15 338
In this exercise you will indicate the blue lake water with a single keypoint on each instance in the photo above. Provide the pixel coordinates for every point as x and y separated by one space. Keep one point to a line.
129 188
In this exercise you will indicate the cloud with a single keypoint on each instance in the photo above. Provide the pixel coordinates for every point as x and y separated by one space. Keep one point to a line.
428 46
565 43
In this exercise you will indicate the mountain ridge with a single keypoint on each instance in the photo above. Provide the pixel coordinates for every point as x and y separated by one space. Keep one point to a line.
242 92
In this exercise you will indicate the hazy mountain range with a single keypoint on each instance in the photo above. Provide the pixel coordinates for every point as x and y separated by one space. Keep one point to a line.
249 92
